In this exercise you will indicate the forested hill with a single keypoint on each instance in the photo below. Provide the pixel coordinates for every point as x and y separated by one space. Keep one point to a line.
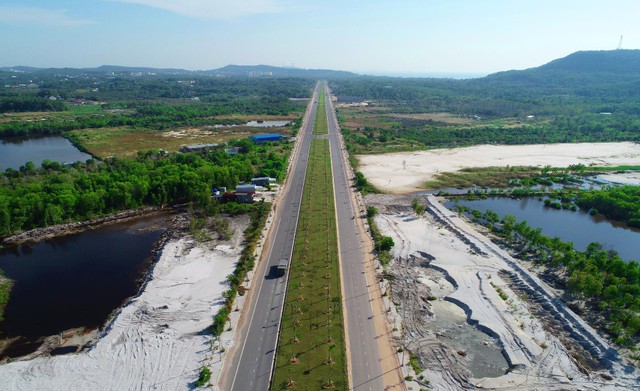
603 61
612 75
584 65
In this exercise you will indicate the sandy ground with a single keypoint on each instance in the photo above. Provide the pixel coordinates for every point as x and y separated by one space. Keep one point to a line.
472 267
407 171
627 178
159 340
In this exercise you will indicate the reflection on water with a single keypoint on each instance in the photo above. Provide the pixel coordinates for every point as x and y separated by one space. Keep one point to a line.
75 280
577 227
15 152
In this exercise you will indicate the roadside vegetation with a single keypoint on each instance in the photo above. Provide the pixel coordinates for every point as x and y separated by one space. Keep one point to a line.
311 349
600 285
258 213
382 244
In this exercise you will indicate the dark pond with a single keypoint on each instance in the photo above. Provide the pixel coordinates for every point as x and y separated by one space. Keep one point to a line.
577 227
15 152
75 280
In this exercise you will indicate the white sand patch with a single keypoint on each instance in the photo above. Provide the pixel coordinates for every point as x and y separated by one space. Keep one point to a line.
407 171
158 341
537 358
627 178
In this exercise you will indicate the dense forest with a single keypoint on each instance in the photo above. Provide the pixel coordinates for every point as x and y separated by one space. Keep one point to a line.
36 197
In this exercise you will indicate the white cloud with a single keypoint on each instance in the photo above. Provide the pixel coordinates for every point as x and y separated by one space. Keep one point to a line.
39 16
212 9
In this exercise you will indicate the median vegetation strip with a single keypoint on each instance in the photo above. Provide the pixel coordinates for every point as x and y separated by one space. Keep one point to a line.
311 350
320 123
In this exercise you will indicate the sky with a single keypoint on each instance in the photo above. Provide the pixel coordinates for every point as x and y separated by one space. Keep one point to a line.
394 37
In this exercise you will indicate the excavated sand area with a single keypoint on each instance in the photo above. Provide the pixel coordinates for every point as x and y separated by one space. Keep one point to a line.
405 172
441 262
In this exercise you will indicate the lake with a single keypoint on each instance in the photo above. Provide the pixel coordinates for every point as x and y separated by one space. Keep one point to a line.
577 227
15 152
75 280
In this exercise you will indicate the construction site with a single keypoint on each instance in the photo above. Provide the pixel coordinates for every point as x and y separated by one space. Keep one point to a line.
473 317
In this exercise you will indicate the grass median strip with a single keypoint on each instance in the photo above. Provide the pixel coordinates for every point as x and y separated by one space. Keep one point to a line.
320 125
311 350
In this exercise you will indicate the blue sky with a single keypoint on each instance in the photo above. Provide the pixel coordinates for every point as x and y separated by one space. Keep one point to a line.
373 36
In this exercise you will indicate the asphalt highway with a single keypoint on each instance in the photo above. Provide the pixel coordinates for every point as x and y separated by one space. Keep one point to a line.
250 367
366 370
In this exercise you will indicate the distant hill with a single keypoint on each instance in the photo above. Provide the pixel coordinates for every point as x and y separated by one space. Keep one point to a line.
267 70
605 63
612 74
229 70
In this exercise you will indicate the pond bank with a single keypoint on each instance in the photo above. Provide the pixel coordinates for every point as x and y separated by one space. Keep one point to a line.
158 339
39 234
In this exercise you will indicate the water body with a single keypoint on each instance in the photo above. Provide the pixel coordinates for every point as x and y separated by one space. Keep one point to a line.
577 227
15 152
75 280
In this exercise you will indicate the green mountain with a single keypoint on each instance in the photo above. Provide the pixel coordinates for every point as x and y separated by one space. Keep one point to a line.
607 64
612 74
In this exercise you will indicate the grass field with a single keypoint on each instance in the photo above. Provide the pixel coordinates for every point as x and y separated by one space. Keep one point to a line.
126 142
320 122
311 350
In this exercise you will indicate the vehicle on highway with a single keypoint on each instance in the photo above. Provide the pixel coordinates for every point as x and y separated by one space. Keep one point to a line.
283 264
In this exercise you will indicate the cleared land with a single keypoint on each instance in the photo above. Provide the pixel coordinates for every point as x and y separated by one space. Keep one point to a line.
126 142
437 117
409 171
311 353
320 123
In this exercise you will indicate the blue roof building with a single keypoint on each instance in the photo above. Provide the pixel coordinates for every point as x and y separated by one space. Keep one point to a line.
266 138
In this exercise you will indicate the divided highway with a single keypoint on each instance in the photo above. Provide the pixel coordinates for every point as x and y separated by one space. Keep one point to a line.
366 371
249 368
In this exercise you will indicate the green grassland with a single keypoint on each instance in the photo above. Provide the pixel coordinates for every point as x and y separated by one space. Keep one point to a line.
311 351
320 122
